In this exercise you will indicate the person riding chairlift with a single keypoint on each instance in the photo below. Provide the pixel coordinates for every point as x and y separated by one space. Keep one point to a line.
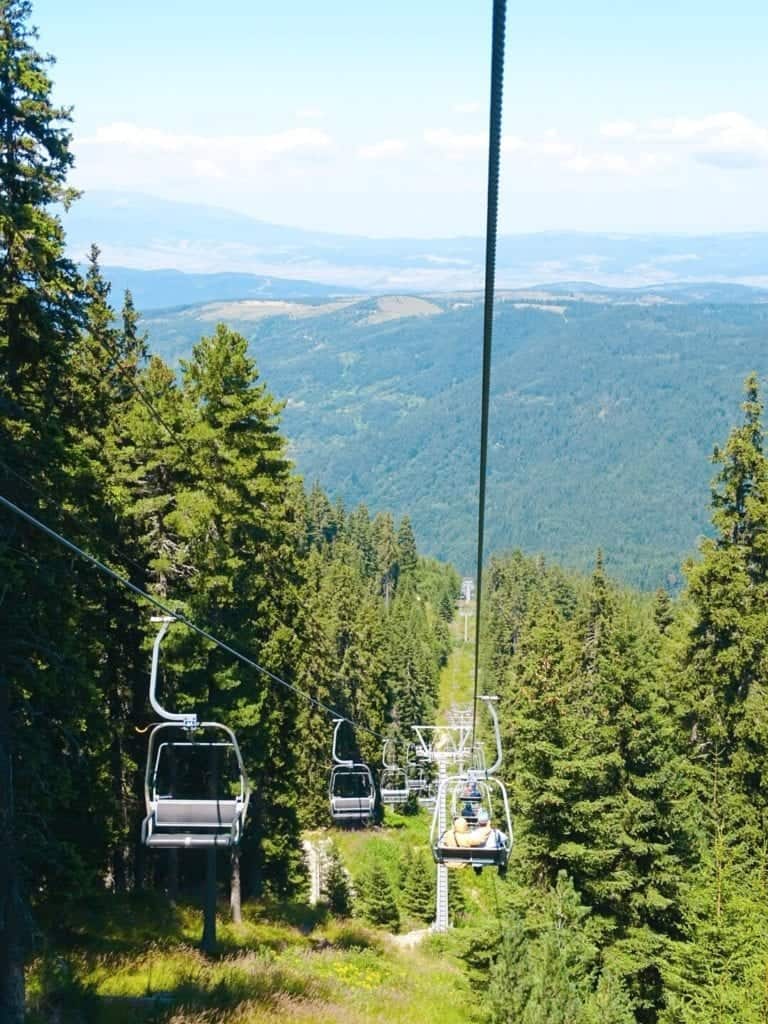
485 835
471 797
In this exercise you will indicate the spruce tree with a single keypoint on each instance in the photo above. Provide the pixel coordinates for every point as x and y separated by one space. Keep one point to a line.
336 888
40 312
407 555
419 889
727 650
376 900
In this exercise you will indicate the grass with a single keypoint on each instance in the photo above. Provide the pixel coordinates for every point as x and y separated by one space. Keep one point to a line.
126 961
456 676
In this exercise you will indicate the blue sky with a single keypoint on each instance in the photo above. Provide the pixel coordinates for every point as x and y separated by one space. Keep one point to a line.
371 118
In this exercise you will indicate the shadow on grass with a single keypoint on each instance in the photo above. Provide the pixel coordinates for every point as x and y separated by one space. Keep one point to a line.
158 985
106 922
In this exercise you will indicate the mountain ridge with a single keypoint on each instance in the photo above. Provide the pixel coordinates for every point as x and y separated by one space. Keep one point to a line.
150 233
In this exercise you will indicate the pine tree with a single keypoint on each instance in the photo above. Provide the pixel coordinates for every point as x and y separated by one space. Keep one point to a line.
663 610
40 312
419 889
385 547
547 969
407 555
376 900
727 648
336 887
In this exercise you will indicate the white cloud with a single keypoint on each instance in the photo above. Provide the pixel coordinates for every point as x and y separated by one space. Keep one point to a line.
243 148
618 129
387 149
728 140
633 164
599 163
456 145
208 169
467 108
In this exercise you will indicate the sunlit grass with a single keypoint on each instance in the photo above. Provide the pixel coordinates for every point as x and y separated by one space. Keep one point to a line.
456 678
340 972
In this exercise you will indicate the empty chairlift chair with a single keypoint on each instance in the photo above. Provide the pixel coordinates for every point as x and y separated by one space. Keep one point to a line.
195 788
351 788
394 780
196 791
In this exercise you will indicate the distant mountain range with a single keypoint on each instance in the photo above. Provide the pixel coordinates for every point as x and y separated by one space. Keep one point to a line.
605 409
158 289
146 233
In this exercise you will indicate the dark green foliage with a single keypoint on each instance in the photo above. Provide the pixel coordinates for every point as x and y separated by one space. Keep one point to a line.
546 971
419 889
336 888
376 900
594 764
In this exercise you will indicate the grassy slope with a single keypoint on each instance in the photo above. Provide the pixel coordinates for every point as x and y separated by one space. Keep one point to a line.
112 958
456 677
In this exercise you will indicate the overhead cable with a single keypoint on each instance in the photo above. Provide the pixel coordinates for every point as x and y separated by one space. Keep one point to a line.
177 616
491 228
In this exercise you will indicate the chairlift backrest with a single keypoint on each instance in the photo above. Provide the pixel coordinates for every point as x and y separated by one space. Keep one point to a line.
457 848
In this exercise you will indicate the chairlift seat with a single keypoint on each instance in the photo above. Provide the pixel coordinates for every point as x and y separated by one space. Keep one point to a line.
351 794
179 821
351 809
181 824
196 813
394 787
475 856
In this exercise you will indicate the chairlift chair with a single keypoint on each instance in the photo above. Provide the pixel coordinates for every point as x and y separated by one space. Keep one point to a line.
394 780
190 803
494 852
351 788
184 807
467 796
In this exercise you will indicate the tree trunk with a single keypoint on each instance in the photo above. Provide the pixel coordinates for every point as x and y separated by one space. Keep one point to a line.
235 904
13 918
208 941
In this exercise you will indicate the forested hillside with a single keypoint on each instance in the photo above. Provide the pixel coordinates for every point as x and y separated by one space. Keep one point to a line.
604 410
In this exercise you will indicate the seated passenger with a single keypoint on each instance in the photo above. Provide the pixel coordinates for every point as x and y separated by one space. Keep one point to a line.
482 833
457 835
485 835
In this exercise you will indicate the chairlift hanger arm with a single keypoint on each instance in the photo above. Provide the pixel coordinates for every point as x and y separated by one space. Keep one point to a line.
491 704
337 724
187 721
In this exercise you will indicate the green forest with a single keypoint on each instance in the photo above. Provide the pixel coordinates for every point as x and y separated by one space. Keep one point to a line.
634 724
604 409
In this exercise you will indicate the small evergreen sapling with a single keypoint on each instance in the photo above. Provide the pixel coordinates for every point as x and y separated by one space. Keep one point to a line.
336 887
